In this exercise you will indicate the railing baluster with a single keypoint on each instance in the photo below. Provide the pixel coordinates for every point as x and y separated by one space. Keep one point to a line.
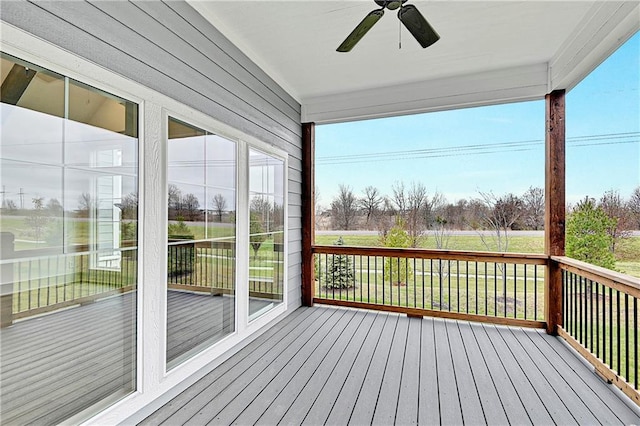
466 271
619 326
486 291
597 320
626 336
423 290
458 284
636 356
611 330
431 278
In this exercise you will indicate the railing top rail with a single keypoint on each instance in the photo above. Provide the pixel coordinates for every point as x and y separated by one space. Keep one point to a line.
474 256
619 281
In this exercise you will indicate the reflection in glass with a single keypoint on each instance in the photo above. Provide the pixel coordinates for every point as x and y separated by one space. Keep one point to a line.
201 240
266 232
68 248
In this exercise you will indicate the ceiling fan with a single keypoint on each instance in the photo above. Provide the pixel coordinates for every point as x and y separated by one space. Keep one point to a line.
408 15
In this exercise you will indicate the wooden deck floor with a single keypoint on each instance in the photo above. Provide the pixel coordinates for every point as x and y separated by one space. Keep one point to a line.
336 366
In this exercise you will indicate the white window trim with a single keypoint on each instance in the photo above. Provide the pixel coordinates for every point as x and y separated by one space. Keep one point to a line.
154 385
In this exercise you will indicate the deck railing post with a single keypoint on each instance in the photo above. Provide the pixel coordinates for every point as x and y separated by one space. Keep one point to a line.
308 212
7 251
554 205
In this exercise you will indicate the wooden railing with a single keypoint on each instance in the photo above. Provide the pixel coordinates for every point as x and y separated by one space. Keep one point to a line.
601 320
43 280
504 288
210 267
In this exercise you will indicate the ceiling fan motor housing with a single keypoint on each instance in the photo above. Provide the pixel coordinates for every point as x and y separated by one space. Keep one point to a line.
390 4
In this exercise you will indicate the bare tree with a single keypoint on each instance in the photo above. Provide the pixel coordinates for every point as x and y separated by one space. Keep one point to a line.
371 202
344 208
262 209
54 207
634 207
416 212
533 208
174 201
219 205
129 206
500 215
318 208
399 198
385 219
191 206
85 204
38 218
615 207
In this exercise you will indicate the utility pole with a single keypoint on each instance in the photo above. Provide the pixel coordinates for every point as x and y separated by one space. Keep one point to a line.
4 203
21 194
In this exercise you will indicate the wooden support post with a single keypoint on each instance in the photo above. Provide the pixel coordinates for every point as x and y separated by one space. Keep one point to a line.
308 212
6 279
554 224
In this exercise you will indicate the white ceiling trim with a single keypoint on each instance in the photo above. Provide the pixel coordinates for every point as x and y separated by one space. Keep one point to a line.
487 88
593 42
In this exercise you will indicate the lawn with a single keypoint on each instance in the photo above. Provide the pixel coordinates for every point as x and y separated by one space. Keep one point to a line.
627 252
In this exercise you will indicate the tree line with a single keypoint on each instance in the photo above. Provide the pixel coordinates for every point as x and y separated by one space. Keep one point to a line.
422 212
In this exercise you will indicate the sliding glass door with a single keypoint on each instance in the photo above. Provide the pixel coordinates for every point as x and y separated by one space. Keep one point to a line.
201 245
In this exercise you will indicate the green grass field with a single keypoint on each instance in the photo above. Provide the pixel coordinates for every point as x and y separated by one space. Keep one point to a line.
627 253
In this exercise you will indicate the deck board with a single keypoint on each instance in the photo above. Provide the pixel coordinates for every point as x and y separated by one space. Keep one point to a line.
297 372
492 406
320 365
365 405
472 412
448 395
428 398
364 367
536 410
606 406
337 407
301 391
408 403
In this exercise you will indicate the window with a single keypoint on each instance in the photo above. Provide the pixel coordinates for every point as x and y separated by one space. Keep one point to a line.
266 232
201 246
69 173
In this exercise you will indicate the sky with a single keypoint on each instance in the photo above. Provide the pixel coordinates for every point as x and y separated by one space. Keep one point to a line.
497 149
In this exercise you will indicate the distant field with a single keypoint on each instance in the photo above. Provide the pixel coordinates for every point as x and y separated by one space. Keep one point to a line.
627 253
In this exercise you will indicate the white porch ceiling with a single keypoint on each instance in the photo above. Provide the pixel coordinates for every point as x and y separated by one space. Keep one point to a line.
489 51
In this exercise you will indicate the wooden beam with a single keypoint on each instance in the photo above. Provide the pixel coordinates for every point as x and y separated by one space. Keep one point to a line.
554 224
308 212
15 84
418 253
419 312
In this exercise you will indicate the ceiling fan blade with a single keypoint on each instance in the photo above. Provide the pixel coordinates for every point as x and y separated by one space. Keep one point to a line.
417 25
359 31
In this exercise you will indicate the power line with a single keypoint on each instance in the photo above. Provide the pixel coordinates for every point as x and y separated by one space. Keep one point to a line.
479 149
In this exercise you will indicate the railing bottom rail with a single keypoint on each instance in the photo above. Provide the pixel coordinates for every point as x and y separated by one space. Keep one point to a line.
419 312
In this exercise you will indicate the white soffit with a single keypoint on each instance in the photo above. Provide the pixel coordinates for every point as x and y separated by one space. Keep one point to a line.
489 52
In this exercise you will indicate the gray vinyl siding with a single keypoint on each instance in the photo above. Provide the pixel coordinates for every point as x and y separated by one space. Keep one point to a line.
171 48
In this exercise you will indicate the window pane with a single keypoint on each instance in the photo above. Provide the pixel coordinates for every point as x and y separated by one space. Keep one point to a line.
266 232
69 257
201 246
